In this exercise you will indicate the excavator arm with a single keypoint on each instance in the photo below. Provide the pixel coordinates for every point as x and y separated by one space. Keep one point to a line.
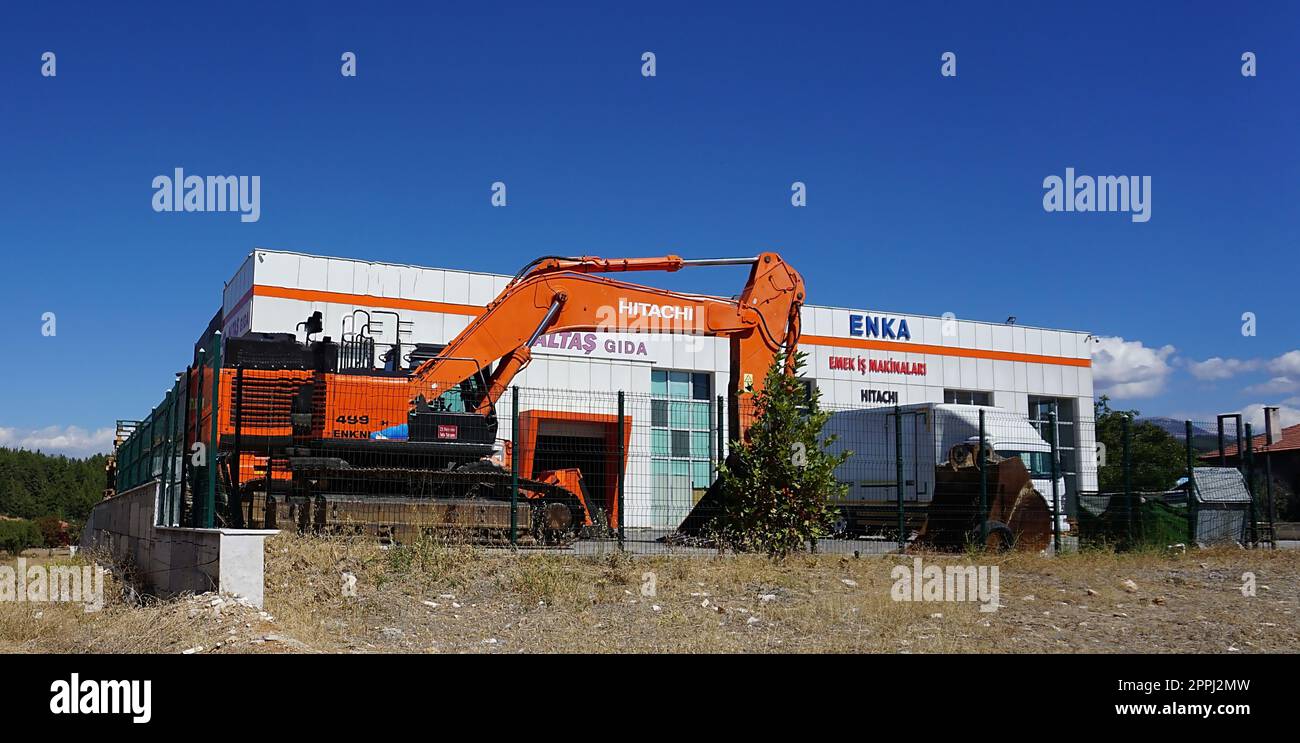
556 294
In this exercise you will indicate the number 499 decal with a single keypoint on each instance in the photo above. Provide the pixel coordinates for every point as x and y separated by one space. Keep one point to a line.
353 420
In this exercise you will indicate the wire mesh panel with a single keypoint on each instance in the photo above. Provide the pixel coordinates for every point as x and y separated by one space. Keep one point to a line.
585 444
365 451
1157 485
322 437
161 447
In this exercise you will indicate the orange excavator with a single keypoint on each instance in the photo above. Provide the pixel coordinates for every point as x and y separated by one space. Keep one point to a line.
316 432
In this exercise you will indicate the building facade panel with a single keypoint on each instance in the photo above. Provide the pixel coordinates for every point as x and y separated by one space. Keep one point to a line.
856 357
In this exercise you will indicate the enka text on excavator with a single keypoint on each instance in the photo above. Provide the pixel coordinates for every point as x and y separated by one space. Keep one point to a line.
316 433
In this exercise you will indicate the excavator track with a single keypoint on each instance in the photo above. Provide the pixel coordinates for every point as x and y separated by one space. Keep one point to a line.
475 495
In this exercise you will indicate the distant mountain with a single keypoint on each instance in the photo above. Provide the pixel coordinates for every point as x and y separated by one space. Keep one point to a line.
1202 440
1177 428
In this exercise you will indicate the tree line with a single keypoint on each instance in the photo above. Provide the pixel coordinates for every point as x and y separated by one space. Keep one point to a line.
33 484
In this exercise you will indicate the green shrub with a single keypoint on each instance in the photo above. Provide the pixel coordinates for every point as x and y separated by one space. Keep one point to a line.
52 531
778 486
17 535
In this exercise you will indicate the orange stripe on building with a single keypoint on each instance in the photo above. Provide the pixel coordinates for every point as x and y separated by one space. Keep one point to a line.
424 305
366 300
970 353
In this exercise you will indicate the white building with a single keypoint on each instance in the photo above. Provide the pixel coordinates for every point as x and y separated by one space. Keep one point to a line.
856 357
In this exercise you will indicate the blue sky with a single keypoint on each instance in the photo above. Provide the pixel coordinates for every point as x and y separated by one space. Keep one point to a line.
924 193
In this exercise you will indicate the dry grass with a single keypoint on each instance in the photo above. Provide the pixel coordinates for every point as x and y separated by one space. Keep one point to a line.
126 625
450 598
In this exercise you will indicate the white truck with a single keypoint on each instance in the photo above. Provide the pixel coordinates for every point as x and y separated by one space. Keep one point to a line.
929 431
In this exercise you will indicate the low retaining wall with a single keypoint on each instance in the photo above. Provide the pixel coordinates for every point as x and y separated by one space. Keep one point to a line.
168 560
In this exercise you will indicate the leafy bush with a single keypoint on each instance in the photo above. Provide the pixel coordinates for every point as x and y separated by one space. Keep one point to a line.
778 486
17 535
1158 458
53 533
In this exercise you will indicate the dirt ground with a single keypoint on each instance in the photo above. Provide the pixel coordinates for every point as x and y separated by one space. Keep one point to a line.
349 596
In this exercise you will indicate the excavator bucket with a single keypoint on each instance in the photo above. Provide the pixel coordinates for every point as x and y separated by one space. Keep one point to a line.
570 478
1018 517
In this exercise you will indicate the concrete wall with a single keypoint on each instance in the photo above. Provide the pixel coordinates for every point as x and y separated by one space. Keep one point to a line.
170 560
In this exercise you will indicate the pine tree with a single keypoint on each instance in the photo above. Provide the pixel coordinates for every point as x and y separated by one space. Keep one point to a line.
778 486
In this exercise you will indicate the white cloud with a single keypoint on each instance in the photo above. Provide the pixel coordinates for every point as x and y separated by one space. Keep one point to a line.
1127 369
1216 368
74 441
1254 415
1219 368
1287 364
1275 386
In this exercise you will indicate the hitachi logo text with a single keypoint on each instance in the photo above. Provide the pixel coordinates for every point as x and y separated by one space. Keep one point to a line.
92 697
664 311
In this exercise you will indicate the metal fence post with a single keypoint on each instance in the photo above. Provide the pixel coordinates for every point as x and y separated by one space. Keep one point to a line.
175 425
622 456
721 443
1056 489
196 503
210 506
1191 487
1268 491
1271 502
166 474
235 504
174 517
898 477
147 428
1247 462
181 402
984 486
1128 482
514 466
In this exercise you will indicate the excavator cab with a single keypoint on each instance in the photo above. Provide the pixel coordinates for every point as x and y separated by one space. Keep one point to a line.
464 397
452 418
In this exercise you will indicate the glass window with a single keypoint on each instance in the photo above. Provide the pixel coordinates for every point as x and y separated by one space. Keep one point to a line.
700 444
701 474
659 442
700 386
659 383
967 397
659 413
682 430
1039 463
681 443
681 414
700 416
679 384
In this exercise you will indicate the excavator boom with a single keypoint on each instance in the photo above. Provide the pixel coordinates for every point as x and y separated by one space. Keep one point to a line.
560 294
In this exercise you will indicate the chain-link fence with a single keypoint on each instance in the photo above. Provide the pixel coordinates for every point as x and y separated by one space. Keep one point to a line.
317 445
1163 483
172 445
